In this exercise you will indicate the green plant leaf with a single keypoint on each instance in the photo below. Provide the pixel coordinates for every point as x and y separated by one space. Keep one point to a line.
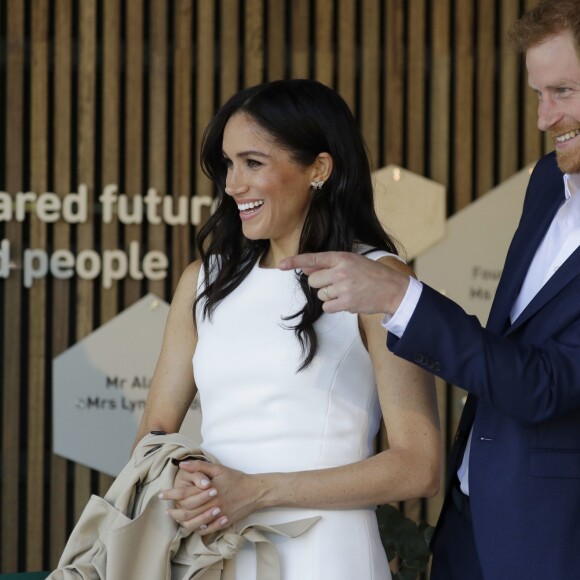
414 548
427 532
407 574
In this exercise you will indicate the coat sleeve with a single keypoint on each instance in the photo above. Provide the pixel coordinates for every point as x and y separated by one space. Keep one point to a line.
532 375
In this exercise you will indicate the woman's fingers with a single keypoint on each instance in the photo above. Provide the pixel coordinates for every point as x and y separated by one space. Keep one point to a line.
206 522
188 496
197 479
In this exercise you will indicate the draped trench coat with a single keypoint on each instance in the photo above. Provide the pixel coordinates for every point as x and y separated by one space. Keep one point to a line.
128 535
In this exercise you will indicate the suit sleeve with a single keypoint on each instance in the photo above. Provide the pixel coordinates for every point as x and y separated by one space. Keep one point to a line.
529 376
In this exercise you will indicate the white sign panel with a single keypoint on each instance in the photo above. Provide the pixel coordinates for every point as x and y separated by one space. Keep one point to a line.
100 386
467 263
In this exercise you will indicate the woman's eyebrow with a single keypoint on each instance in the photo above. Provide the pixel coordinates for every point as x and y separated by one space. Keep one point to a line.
249 153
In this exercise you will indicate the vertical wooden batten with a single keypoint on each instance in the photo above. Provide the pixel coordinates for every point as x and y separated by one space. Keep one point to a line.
371 78
485 97
85 172
109 91
416 74
184 106
300 32
324 41
440 92
229 64
13 332
394 82
275 39
134 137
508 100
157 138
254 42
534 144
60 323
35 435
463 99
438 146
347 57
205 99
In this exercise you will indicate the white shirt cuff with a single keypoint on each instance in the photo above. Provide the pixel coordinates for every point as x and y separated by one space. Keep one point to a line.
397 323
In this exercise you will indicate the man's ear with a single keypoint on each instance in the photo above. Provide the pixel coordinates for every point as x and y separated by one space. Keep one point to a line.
322 167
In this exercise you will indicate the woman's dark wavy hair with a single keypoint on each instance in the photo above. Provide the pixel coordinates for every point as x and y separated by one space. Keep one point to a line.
305 118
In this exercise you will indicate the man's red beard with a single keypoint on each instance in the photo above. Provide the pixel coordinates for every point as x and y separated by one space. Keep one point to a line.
568 157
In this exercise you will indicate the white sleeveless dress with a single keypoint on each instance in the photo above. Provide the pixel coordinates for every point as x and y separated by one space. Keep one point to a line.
261 415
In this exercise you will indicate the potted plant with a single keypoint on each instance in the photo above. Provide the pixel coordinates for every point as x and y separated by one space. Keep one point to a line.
405 541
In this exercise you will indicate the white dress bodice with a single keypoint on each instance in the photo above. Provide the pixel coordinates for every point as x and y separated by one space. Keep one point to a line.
260 414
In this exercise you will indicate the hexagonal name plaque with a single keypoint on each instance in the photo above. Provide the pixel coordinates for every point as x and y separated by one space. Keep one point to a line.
100 386
410 207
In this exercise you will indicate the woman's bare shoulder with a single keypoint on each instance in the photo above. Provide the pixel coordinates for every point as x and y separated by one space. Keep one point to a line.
397 263
188 282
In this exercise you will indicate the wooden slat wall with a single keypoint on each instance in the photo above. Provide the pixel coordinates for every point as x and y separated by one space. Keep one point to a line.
119 92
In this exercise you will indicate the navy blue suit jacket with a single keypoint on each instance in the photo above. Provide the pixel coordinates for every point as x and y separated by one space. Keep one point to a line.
524 402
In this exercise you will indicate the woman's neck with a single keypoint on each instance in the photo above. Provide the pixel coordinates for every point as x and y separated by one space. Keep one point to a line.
276 253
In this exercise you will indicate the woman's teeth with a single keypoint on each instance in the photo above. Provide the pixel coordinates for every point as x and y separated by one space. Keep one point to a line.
250 205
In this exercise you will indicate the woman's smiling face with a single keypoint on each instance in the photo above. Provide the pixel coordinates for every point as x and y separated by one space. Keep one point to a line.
272 190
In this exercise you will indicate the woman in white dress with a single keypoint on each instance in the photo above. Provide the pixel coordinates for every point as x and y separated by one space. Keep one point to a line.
291 397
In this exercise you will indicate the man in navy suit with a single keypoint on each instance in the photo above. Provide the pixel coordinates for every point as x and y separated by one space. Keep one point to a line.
512 505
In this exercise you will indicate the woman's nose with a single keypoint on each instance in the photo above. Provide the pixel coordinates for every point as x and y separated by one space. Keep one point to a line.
234 184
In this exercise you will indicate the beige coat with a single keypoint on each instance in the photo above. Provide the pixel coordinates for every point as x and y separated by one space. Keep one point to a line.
128 535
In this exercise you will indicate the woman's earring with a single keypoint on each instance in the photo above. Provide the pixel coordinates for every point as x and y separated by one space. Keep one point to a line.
317 184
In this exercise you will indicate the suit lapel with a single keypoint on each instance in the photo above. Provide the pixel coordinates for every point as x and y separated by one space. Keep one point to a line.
565 274
533 226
